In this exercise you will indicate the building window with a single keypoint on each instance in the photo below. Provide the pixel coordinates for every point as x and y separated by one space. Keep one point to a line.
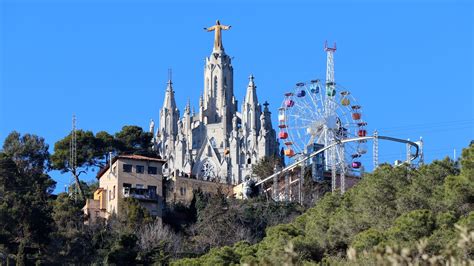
127 168
140 169
113 193
126 189
152 170
152 192
182 191
215 85
140 186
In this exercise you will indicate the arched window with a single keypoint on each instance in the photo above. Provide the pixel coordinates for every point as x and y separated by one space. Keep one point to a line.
249 161
215 84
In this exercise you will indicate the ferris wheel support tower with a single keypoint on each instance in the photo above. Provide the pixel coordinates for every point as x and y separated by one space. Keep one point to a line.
330 62
339 149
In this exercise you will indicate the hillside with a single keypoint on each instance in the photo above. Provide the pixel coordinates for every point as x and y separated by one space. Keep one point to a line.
394 215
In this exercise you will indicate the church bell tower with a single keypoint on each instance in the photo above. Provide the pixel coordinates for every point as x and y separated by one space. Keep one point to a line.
219 101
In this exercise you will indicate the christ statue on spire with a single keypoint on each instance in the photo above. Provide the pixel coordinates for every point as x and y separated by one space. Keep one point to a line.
217 34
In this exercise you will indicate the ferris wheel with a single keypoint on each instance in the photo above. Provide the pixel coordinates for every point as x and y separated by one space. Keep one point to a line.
316 114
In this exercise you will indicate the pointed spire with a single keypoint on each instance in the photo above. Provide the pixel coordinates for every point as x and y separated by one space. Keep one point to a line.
169 101
170 82
187 108
170 75
251 78
251 96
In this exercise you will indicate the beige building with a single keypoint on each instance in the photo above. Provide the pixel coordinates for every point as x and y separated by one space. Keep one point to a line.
127 176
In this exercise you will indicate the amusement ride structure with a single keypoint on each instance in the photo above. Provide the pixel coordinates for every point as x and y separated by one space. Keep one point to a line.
322 127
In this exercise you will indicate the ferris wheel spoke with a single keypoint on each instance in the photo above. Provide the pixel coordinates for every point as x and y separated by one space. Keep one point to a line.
310 104
324 118
313 100
301 118
304 106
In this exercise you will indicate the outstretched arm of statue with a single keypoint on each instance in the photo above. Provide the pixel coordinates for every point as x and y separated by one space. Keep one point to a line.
225 27
210 28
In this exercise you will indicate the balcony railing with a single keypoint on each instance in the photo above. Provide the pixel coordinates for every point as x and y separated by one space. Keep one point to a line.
140 193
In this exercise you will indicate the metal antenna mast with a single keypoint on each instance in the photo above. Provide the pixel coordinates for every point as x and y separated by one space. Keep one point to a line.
73 159
73 152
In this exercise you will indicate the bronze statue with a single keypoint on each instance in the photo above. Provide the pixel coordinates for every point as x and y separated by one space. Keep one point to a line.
217 34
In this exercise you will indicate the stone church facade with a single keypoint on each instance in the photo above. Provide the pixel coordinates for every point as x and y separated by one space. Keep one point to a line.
217 143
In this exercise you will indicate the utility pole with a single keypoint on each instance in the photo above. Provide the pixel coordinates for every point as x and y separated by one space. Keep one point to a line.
73 159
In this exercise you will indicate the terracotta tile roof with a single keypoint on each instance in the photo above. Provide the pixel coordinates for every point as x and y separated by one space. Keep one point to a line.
140 157
130 157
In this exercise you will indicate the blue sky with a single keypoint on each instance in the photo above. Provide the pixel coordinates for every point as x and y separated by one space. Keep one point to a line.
408 63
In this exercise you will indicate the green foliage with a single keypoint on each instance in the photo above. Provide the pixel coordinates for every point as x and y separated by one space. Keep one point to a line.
25 214
367 239
426 186
459 193
315 221
134 214
29 152
67 213
467 161
222 221
89 153
420 254
133 140
124 251
106 143
467 221
445 219
179 216
239 253
395 214
272 246
413 210
459 189
412 226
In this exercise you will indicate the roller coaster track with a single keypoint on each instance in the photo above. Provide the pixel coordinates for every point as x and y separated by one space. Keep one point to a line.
295 164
